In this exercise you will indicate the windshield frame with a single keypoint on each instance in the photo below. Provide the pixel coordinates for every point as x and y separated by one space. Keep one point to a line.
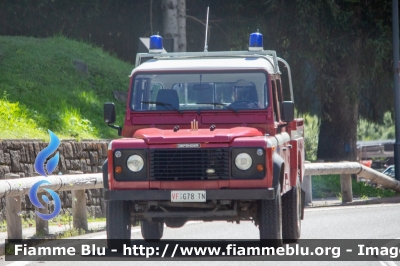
266 94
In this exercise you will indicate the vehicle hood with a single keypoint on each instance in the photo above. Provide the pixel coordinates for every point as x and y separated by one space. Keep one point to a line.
163 136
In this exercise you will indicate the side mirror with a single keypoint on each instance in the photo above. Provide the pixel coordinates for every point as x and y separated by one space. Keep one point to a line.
287 111
110 117
109 113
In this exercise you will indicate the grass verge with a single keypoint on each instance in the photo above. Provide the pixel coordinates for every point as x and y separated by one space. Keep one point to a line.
329 186
57 84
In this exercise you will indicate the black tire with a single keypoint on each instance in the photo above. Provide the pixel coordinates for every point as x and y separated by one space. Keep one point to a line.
291 213
118 224
270 220
152 230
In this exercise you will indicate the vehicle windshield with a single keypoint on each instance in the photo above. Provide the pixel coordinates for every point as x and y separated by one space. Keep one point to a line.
201 91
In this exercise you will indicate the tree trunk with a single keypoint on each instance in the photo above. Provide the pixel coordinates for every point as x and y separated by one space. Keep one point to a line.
181 25
170 15
338 130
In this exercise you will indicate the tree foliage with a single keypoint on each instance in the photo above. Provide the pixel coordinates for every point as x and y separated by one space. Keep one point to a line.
348 57
339 51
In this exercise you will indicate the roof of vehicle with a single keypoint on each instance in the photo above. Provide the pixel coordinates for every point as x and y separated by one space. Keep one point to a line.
208 61
207 64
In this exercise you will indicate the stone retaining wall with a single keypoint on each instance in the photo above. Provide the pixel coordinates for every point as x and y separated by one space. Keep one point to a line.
18 157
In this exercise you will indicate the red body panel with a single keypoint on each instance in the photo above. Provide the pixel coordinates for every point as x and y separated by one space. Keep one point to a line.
159 136
247 128
262 120
238 138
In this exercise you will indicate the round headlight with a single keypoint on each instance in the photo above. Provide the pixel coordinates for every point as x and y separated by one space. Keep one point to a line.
243 161
135 163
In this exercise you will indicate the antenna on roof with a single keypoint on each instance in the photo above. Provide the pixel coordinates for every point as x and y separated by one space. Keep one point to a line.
205 41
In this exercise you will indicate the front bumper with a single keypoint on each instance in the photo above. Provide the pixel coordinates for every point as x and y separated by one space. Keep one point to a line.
215 194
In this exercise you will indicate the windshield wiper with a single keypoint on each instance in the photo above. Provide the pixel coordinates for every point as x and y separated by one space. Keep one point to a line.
165 105
222 104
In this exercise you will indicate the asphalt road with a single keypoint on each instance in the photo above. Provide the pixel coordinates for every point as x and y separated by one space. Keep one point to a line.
351 222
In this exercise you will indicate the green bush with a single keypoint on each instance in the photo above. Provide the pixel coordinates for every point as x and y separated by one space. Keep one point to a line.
329 186
372 131
311 131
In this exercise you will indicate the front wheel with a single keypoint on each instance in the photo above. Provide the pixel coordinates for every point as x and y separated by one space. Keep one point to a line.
118 224
291 215
270 220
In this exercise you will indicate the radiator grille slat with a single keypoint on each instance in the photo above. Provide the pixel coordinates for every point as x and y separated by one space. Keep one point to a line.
189 164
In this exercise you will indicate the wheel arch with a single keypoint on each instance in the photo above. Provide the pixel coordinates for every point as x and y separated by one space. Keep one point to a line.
104 169
278 166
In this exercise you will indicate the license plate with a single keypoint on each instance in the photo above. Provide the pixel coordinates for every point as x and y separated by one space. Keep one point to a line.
188 196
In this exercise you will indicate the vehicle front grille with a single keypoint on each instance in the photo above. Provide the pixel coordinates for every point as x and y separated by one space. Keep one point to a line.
189 164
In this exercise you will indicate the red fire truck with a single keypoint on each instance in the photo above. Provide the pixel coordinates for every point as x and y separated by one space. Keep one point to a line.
207 136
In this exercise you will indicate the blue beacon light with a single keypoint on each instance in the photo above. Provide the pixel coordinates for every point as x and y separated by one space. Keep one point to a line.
256 42
156 44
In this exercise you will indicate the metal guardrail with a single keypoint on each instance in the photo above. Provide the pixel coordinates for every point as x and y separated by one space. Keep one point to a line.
21 186
345 170
14 187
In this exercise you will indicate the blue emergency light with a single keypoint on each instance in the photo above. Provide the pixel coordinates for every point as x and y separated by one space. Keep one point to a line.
256 42
156 44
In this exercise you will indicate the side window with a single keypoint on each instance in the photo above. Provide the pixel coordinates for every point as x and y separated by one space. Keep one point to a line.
279 87
265 93
275 101
280 95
